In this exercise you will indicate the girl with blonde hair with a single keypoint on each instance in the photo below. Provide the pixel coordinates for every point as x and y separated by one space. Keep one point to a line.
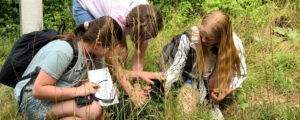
210 59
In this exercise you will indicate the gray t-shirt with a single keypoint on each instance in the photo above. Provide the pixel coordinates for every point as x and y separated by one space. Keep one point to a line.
53 58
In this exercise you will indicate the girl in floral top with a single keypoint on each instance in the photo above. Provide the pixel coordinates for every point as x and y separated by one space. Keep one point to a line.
138 19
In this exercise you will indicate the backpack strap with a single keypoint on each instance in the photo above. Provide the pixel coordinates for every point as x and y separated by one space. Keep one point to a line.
176 39
61 28
169 51
71 65
188 33
75 57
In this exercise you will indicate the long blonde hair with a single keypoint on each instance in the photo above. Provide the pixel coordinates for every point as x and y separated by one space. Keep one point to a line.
218 25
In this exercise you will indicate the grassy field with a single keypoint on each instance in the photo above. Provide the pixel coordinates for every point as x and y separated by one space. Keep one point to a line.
270 34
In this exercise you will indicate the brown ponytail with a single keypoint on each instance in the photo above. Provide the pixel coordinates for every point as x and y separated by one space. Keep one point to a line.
79 30
103 29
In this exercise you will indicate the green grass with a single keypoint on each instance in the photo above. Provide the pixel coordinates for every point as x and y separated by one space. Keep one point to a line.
272 87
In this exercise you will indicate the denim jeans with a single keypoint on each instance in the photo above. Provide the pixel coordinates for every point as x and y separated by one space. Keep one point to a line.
34 109
80 15
188 82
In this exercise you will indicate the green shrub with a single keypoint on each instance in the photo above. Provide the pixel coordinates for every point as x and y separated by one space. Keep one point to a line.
58 12
9 22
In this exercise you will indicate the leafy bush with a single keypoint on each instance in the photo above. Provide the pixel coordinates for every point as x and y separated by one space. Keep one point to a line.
290 34
9 22
58 12
246 11
249 10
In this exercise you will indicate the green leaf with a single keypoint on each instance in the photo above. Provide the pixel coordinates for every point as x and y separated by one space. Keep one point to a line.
279 30
293 35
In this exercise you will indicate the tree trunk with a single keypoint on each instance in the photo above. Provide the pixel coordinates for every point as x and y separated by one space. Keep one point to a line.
31 15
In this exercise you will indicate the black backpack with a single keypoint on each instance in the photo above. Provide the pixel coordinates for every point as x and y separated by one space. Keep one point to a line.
169 51
23 52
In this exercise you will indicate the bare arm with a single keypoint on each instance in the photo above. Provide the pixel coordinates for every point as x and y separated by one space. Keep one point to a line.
139 56
117 61
121 74
44 88
237 81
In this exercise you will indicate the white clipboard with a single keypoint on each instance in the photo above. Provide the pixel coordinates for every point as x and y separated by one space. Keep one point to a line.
107 93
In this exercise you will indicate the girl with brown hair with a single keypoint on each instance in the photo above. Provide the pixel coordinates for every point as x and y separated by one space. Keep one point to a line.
50 91
138 19
210 58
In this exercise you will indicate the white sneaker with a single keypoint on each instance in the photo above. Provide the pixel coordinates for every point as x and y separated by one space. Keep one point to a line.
216 112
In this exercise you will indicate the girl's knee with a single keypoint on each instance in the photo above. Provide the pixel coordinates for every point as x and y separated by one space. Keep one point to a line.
187 99
94 111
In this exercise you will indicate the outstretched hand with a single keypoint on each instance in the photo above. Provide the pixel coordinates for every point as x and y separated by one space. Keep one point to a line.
148 76
138 96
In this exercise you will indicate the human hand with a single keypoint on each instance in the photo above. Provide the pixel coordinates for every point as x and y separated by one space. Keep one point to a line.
147 76
138 97
138 58
138 87
218 95
140 75
147 90
87 88
159 75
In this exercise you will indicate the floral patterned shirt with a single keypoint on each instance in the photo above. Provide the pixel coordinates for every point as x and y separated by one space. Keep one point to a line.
117 9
